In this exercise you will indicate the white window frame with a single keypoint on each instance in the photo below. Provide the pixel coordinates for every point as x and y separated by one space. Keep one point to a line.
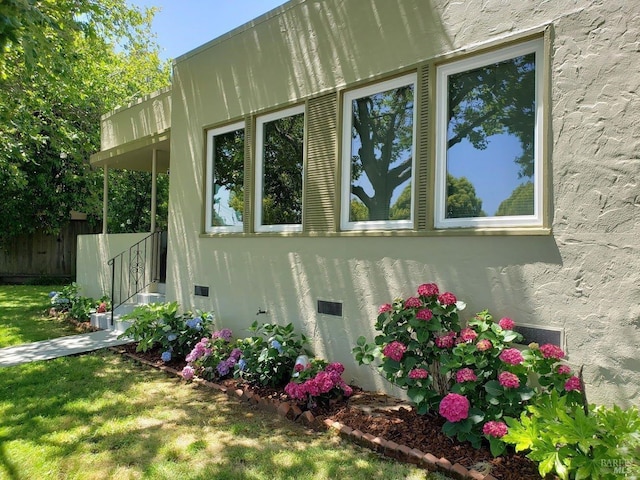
260 121
347 126
211 134
442 74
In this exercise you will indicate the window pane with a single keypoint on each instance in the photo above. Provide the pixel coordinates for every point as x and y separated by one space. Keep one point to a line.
382 155
490 140
228 179
282 171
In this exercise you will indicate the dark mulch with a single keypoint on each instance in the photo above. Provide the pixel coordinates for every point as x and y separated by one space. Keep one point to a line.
399 424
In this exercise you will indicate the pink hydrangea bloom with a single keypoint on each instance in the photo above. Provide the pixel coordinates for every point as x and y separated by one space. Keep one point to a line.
188 372
508 380
418 373
336 367
495 429
454 407
484 345
468 335
447 298
412 302
465 375
424 314
512 356
346 390
394 350
385 308
446 341
551 351
428 290
563 369
506 323
572 384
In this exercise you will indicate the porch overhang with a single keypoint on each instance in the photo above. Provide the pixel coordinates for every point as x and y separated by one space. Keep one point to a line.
137 155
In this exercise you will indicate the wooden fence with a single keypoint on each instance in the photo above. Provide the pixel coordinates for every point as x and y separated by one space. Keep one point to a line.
43 256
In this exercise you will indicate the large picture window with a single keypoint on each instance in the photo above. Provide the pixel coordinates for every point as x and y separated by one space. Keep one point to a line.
279 170
488 146
378 156
225 179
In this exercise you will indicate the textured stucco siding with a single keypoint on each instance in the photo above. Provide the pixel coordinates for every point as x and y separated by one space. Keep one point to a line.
583 278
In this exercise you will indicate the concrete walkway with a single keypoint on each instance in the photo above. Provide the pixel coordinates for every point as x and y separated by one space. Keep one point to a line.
59 347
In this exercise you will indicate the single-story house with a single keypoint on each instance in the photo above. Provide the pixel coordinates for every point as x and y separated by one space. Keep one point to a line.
332 155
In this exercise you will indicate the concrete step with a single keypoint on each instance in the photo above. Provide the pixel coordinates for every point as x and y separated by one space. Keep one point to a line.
103 322
147 298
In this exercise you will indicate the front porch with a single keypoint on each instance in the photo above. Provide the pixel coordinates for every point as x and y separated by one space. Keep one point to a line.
122 265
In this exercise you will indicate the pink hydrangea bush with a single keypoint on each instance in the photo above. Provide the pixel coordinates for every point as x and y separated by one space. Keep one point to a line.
413 332
473 376
318 382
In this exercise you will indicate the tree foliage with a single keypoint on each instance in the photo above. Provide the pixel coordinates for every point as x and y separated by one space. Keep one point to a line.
383 134
462 201
494 99
63 64
520 202
282 171
228 175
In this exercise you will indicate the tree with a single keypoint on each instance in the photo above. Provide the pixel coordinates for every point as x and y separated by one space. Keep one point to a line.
130 201
228 174
382 131
496 98
486 101
401 210
462 201
282 171
520 202
66 63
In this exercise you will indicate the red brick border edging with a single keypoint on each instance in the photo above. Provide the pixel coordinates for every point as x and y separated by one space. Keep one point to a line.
385 447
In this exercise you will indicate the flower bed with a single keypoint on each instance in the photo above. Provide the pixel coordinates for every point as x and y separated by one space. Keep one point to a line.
372 420
470 381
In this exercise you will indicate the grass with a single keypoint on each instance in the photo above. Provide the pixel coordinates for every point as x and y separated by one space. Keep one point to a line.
24 315
101 416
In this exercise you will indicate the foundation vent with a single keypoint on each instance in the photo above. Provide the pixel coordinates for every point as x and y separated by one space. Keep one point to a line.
330 308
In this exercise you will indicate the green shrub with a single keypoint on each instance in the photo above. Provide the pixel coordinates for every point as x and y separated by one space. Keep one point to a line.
270 355
601 443
213 357
472 376
160 325
68 300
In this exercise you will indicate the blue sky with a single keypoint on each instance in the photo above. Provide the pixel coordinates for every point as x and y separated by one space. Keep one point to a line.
182 25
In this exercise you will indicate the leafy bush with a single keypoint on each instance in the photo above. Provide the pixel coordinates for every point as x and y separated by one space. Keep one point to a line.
269 356
213 357
317 382
68 300
472 376
160 324
564 439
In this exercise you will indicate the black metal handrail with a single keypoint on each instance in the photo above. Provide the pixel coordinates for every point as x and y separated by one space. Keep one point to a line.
135 269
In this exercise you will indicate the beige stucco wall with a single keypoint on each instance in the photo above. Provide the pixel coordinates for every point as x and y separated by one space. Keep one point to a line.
584 277
146 116
93 253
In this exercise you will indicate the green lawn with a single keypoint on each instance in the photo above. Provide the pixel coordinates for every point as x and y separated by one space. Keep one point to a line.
100 416
24 315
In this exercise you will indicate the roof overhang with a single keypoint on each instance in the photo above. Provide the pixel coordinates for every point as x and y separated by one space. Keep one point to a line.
137 155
